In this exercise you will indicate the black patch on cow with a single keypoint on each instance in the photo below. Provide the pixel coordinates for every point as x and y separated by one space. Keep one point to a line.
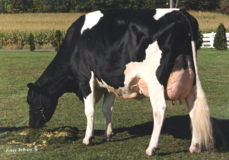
175 41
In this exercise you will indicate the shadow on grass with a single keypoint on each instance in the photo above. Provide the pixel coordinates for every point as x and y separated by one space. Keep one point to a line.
179 127
221 132
11 129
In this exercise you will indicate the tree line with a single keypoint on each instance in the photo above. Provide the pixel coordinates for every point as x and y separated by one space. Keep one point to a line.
57 6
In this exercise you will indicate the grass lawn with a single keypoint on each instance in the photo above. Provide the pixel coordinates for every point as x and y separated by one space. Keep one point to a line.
132 119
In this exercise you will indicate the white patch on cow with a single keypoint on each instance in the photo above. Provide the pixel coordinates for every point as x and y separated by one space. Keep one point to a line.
156 93
91 19
160 12
107 109
142 70
89 103
104 85
153 57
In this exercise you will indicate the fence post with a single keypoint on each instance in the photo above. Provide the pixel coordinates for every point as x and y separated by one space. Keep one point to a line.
203 41
171 3
212 39
227 37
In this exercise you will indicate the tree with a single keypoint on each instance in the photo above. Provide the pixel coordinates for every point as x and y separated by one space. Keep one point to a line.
199 40
58 40
2 3
31 42
220 41
225 6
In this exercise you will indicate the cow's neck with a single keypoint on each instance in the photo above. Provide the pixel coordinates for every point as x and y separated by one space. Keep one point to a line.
57 79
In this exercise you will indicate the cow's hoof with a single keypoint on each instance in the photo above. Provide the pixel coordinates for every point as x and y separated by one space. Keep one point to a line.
108 139
153 152
148 155
90 142
84 144
157 148
194 151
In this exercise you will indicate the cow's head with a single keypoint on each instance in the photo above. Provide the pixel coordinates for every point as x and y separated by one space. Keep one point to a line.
42 106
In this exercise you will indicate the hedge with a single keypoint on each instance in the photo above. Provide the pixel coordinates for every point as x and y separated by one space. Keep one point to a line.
31 42
41 37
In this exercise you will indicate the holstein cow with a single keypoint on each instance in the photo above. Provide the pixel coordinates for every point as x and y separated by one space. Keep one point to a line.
129 54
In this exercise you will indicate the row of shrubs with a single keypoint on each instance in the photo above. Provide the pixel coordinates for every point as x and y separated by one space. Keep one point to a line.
20 38
41 37
55 38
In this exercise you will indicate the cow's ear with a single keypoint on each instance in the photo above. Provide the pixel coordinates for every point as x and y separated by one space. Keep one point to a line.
30 85
33 87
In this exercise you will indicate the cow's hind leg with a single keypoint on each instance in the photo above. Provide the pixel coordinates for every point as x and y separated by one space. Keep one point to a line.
89 103
190 103
107 111
159 108
200 121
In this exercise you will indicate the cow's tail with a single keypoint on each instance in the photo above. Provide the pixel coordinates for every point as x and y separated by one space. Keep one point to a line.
201 122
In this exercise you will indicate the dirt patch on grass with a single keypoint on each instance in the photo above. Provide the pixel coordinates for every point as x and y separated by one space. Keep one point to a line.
44 136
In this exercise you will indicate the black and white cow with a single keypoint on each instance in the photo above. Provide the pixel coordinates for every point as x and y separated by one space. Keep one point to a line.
129 54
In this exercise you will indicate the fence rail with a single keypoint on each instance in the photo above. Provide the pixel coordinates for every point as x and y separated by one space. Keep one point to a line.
208 40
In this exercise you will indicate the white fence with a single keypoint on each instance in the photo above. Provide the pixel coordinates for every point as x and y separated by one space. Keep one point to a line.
208 40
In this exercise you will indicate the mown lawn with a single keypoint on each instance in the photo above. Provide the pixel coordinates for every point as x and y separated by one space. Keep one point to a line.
132 119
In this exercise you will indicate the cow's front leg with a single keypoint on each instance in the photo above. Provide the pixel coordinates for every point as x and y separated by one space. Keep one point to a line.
107 111
159 108
89 103
89 112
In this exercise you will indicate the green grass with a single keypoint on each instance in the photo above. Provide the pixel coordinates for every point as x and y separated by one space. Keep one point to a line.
132 119
214 75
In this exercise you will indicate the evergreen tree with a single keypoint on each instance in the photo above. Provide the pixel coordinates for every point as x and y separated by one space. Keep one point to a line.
2 3
220 41
31 42
58 40
225 6
199 40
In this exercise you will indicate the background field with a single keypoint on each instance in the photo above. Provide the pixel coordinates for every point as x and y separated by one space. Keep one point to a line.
208 21
37 21
132 119
15 28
